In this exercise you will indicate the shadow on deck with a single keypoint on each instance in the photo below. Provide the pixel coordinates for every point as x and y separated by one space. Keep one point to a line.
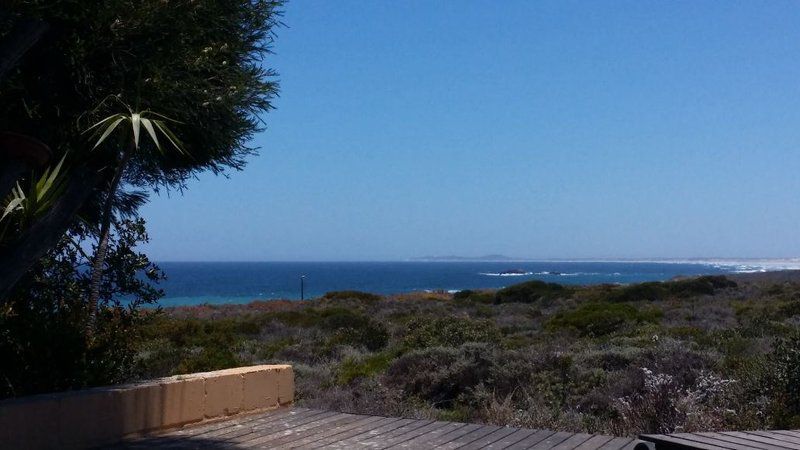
306 428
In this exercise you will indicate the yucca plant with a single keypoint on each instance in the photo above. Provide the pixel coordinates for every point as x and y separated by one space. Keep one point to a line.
130 124
23 207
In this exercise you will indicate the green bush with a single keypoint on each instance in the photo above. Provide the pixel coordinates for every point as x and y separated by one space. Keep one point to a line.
705 285
785 365
651 291
44 346
474 296
657 290
353 328
440 375
449 332
532 291
352 295
352 368
601 318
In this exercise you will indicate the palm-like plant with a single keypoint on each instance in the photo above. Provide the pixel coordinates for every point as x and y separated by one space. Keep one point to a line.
24 206
131 124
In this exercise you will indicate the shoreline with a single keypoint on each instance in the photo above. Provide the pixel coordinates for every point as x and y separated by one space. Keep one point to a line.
261 305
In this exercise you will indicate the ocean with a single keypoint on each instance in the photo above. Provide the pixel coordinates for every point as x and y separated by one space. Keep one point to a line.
194 283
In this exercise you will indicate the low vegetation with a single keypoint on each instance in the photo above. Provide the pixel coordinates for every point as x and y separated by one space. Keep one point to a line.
706 353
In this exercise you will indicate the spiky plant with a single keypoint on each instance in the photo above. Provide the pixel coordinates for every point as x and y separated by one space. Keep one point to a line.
130 124
23 206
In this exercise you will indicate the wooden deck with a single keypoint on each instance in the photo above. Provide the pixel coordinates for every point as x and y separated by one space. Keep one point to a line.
731 440
307 428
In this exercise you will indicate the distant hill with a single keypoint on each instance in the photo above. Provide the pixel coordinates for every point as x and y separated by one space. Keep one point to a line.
465 258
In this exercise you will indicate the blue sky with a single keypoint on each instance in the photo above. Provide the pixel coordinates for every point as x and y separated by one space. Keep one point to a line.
546 129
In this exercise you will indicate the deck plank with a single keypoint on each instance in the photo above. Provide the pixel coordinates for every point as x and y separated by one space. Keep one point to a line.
252 430
762 439
532 440
456 433
490 439
287 435
573 441
776 436
722 441
331 440
594 442
468 438
736 440
330 432
370 437
292 428
795 433
399 438
511 439
430 439
616 443
672 441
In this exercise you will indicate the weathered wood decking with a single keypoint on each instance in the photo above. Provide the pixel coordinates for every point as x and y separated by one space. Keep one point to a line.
306 428
731 440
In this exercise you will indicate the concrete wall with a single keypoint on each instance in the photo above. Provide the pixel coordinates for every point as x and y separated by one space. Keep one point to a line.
92 417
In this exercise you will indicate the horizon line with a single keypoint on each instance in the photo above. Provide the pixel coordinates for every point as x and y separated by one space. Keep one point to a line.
692 259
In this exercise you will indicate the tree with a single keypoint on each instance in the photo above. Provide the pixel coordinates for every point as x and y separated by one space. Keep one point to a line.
134 124
200 62
42 333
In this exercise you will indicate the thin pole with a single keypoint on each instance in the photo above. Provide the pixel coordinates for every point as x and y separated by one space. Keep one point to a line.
302 287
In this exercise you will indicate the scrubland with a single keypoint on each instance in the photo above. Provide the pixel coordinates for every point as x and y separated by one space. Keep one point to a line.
705 353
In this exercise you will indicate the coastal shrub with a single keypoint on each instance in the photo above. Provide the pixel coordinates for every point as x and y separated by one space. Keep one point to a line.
353 328
657 290
474 296
650 291
663 404
784 363
449 332
369 366
705 285
351 295
440 375
532 291
43 341
601 318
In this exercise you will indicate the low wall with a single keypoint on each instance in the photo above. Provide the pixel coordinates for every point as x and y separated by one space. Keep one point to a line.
96 416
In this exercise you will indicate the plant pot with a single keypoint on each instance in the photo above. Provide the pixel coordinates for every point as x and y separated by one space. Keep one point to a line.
16 147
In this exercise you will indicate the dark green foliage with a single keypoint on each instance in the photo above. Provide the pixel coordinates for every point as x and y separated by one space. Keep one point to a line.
351 295
204 344
652 291
657 291
706 285
43 344
449 332
352 368
440 375
354 329
601 318
785 364
474 296
198 62
532 291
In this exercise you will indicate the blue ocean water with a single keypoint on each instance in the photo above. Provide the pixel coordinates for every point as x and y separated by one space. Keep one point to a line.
192 283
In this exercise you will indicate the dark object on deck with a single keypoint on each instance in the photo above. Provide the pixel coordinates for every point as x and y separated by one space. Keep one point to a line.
308 428
732 440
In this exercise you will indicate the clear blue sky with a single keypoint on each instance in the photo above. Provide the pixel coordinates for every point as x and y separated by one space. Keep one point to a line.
547 129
